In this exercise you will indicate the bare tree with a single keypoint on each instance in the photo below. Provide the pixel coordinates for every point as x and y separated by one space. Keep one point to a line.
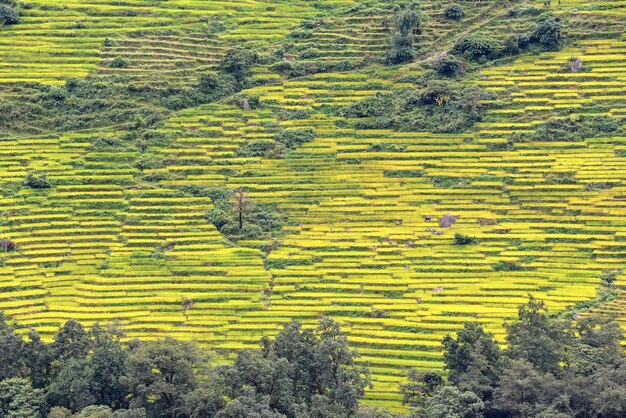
242 204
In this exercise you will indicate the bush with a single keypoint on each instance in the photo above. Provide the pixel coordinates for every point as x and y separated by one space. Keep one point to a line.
208 83
514 43
461 239
237 62
454 12
37 182
573 129
8 15
548 34
449 66
400 50
407 23
476 46
293 138
118 62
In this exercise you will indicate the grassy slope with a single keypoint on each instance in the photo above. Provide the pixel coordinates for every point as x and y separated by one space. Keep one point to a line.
360 248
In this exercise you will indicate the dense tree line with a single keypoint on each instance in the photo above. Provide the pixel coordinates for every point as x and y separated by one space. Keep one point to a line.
553 367
302 373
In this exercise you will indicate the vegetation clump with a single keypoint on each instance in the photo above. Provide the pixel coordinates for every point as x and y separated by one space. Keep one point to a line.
239 217
454 11
35 181
90 373
439 106
552 367
462 239
8 15
573 129
406 24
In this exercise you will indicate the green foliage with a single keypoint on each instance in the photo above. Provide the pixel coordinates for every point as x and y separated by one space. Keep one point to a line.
473 360
537 338
407 24
294 138
302 371
454 11
12 351
237 62
515 43
553 367
8 15
476 45
37 181
449 66
573 129
420 387
238 217
19 400
160 373
439 106
450 402
548 34
118 62
462 239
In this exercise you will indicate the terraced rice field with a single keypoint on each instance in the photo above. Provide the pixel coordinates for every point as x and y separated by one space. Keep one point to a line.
365 247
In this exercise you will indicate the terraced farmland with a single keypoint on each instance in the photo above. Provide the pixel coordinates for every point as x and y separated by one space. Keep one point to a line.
366 241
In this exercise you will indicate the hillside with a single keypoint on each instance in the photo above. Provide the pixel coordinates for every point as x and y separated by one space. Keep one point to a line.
400 199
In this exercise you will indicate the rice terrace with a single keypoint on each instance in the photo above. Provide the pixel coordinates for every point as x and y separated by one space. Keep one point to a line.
423 182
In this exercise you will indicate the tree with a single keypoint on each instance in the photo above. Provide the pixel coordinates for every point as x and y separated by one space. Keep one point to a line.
107 363
526 392
204 402
474 360
72 341
237 62
242 204
420 386
12 351
450 402
38 358
303 371
18 399
454 11
538 338
407 24
158 375
72 387
249 406
548 34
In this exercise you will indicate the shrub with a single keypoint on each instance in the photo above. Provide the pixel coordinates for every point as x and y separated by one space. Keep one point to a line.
514 43
149 161
208 83
118 62
449 66
461 239
548 34
407 23
524 11
573 129
37 182
293 138
237 62
301 34
400 49
407 20
476 46
8 15
454 12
